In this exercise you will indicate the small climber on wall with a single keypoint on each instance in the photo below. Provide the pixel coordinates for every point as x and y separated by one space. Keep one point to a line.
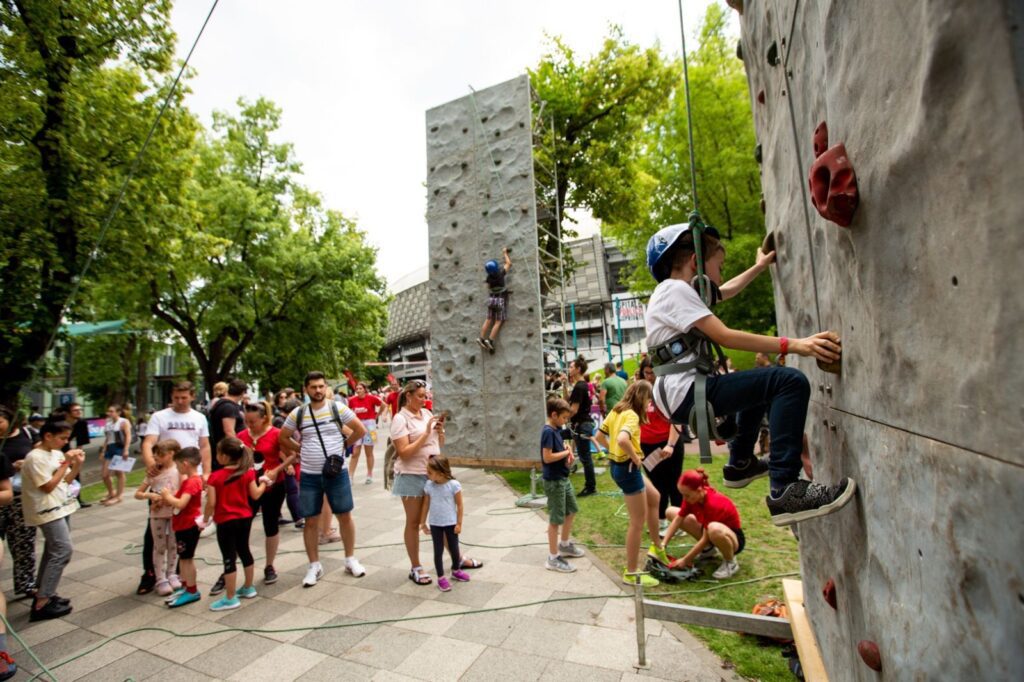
497 300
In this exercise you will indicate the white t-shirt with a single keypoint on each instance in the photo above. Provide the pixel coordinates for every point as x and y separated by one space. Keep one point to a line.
673 309
185 427
39 507
113 429
443 509
311 453
405 423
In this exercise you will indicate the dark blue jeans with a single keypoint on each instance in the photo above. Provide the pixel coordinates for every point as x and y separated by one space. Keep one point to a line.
583 454
783 392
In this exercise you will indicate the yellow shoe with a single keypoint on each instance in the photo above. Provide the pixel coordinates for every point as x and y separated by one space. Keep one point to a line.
658 553
645 580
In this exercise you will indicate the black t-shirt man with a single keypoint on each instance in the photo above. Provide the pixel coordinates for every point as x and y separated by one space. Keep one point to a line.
224 409
581 396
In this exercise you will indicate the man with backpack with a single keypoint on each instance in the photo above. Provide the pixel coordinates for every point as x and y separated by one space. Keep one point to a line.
321 449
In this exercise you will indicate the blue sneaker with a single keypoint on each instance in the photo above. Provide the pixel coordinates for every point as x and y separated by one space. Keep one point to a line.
225 604
246 592
184 598
174 596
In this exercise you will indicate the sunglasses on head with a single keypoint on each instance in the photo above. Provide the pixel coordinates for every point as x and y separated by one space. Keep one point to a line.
255 408
419 383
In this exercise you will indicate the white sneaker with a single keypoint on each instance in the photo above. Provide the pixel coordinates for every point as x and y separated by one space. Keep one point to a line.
353 566
727 570
209 530
315 572
369 480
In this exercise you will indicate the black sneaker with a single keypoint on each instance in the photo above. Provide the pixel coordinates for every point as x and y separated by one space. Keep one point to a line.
586 492
269 575
482 342
741 477
803 500
218 586
146 584
52 609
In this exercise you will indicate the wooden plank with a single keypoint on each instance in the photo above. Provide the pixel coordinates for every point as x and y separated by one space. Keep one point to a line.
477 463
736 621
806 644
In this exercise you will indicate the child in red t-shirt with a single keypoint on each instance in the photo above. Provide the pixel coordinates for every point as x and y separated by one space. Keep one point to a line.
227 500
186 503
711 518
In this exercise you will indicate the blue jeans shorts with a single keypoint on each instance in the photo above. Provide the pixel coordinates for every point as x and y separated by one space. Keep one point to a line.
113 450
409 485
628 477
313 487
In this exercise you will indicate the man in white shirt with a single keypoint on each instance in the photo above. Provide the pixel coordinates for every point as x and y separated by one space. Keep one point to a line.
190 428
321 449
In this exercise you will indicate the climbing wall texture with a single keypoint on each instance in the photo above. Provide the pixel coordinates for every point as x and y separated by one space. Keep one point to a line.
480 198
925 288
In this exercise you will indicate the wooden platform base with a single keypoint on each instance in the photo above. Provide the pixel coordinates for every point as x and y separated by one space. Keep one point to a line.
806 644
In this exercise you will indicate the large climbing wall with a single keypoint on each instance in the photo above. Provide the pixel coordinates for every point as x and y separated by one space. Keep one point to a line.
480 198
925 286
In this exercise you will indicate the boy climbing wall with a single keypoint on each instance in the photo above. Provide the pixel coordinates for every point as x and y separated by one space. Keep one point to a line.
497 300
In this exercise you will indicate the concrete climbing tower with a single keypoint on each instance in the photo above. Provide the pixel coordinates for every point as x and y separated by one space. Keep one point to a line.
908 241
480 198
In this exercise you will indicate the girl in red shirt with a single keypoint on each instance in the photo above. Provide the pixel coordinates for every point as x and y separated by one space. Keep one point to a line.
227 500
711 518
260 436
368 408
658 438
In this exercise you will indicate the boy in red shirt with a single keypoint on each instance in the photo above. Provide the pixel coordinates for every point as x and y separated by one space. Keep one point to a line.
186 503
367 407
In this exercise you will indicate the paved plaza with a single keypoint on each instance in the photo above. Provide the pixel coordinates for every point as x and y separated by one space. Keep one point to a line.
590 639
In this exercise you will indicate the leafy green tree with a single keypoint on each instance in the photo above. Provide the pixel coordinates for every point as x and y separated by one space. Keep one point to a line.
600 108
80 83
263 279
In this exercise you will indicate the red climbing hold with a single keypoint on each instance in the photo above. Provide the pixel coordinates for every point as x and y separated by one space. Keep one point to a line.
829 592
820 139
834 186
760 97
869 653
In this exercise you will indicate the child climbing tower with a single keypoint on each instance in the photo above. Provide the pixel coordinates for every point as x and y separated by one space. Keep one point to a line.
480 201
890 138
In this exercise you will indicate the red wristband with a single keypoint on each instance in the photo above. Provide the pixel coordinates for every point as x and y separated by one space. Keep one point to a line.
783 345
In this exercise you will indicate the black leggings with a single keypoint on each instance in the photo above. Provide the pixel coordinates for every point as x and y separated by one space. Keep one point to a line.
665 476
233 540
439 534
270 502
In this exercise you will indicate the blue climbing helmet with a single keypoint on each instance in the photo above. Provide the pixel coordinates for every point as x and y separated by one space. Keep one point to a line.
662 242
491 267
659 245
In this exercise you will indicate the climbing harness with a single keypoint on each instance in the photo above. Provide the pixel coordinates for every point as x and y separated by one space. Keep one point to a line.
667 574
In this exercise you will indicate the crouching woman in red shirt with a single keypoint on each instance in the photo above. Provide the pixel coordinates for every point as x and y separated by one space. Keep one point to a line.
711 518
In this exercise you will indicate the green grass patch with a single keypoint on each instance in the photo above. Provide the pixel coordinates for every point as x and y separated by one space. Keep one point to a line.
95 492
770 550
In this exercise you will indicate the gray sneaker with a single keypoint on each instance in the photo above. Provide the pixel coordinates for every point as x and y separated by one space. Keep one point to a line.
559 564
803 500
569 549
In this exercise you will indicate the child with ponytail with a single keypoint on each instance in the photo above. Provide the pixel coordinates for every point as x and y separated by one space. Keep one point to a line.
227 501
711 518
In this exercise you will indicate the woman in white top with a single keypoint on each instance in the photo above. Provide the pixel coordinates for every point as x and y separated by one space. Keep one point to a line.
417 435
117 437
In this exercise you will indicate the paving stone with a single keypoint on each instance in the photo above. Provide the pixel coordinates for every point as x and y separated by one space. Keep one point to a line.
511 595
582 611
185 648
491 629
179 673
92 661
386 647
223 660
253 613
335 642
59 648
563 671
341 600
137 665
432 625
440 658
384 579
541 637
285 662
512 666
603 647
292 616
35 634
385 605
475 593
336 669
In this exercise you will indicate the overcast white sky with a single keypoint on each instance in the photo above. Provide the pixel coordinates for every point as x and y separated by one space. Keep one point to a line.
355 78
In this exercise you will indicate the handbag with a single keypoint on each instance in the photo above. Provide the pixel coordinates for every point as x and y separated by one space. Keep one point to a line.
333 464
